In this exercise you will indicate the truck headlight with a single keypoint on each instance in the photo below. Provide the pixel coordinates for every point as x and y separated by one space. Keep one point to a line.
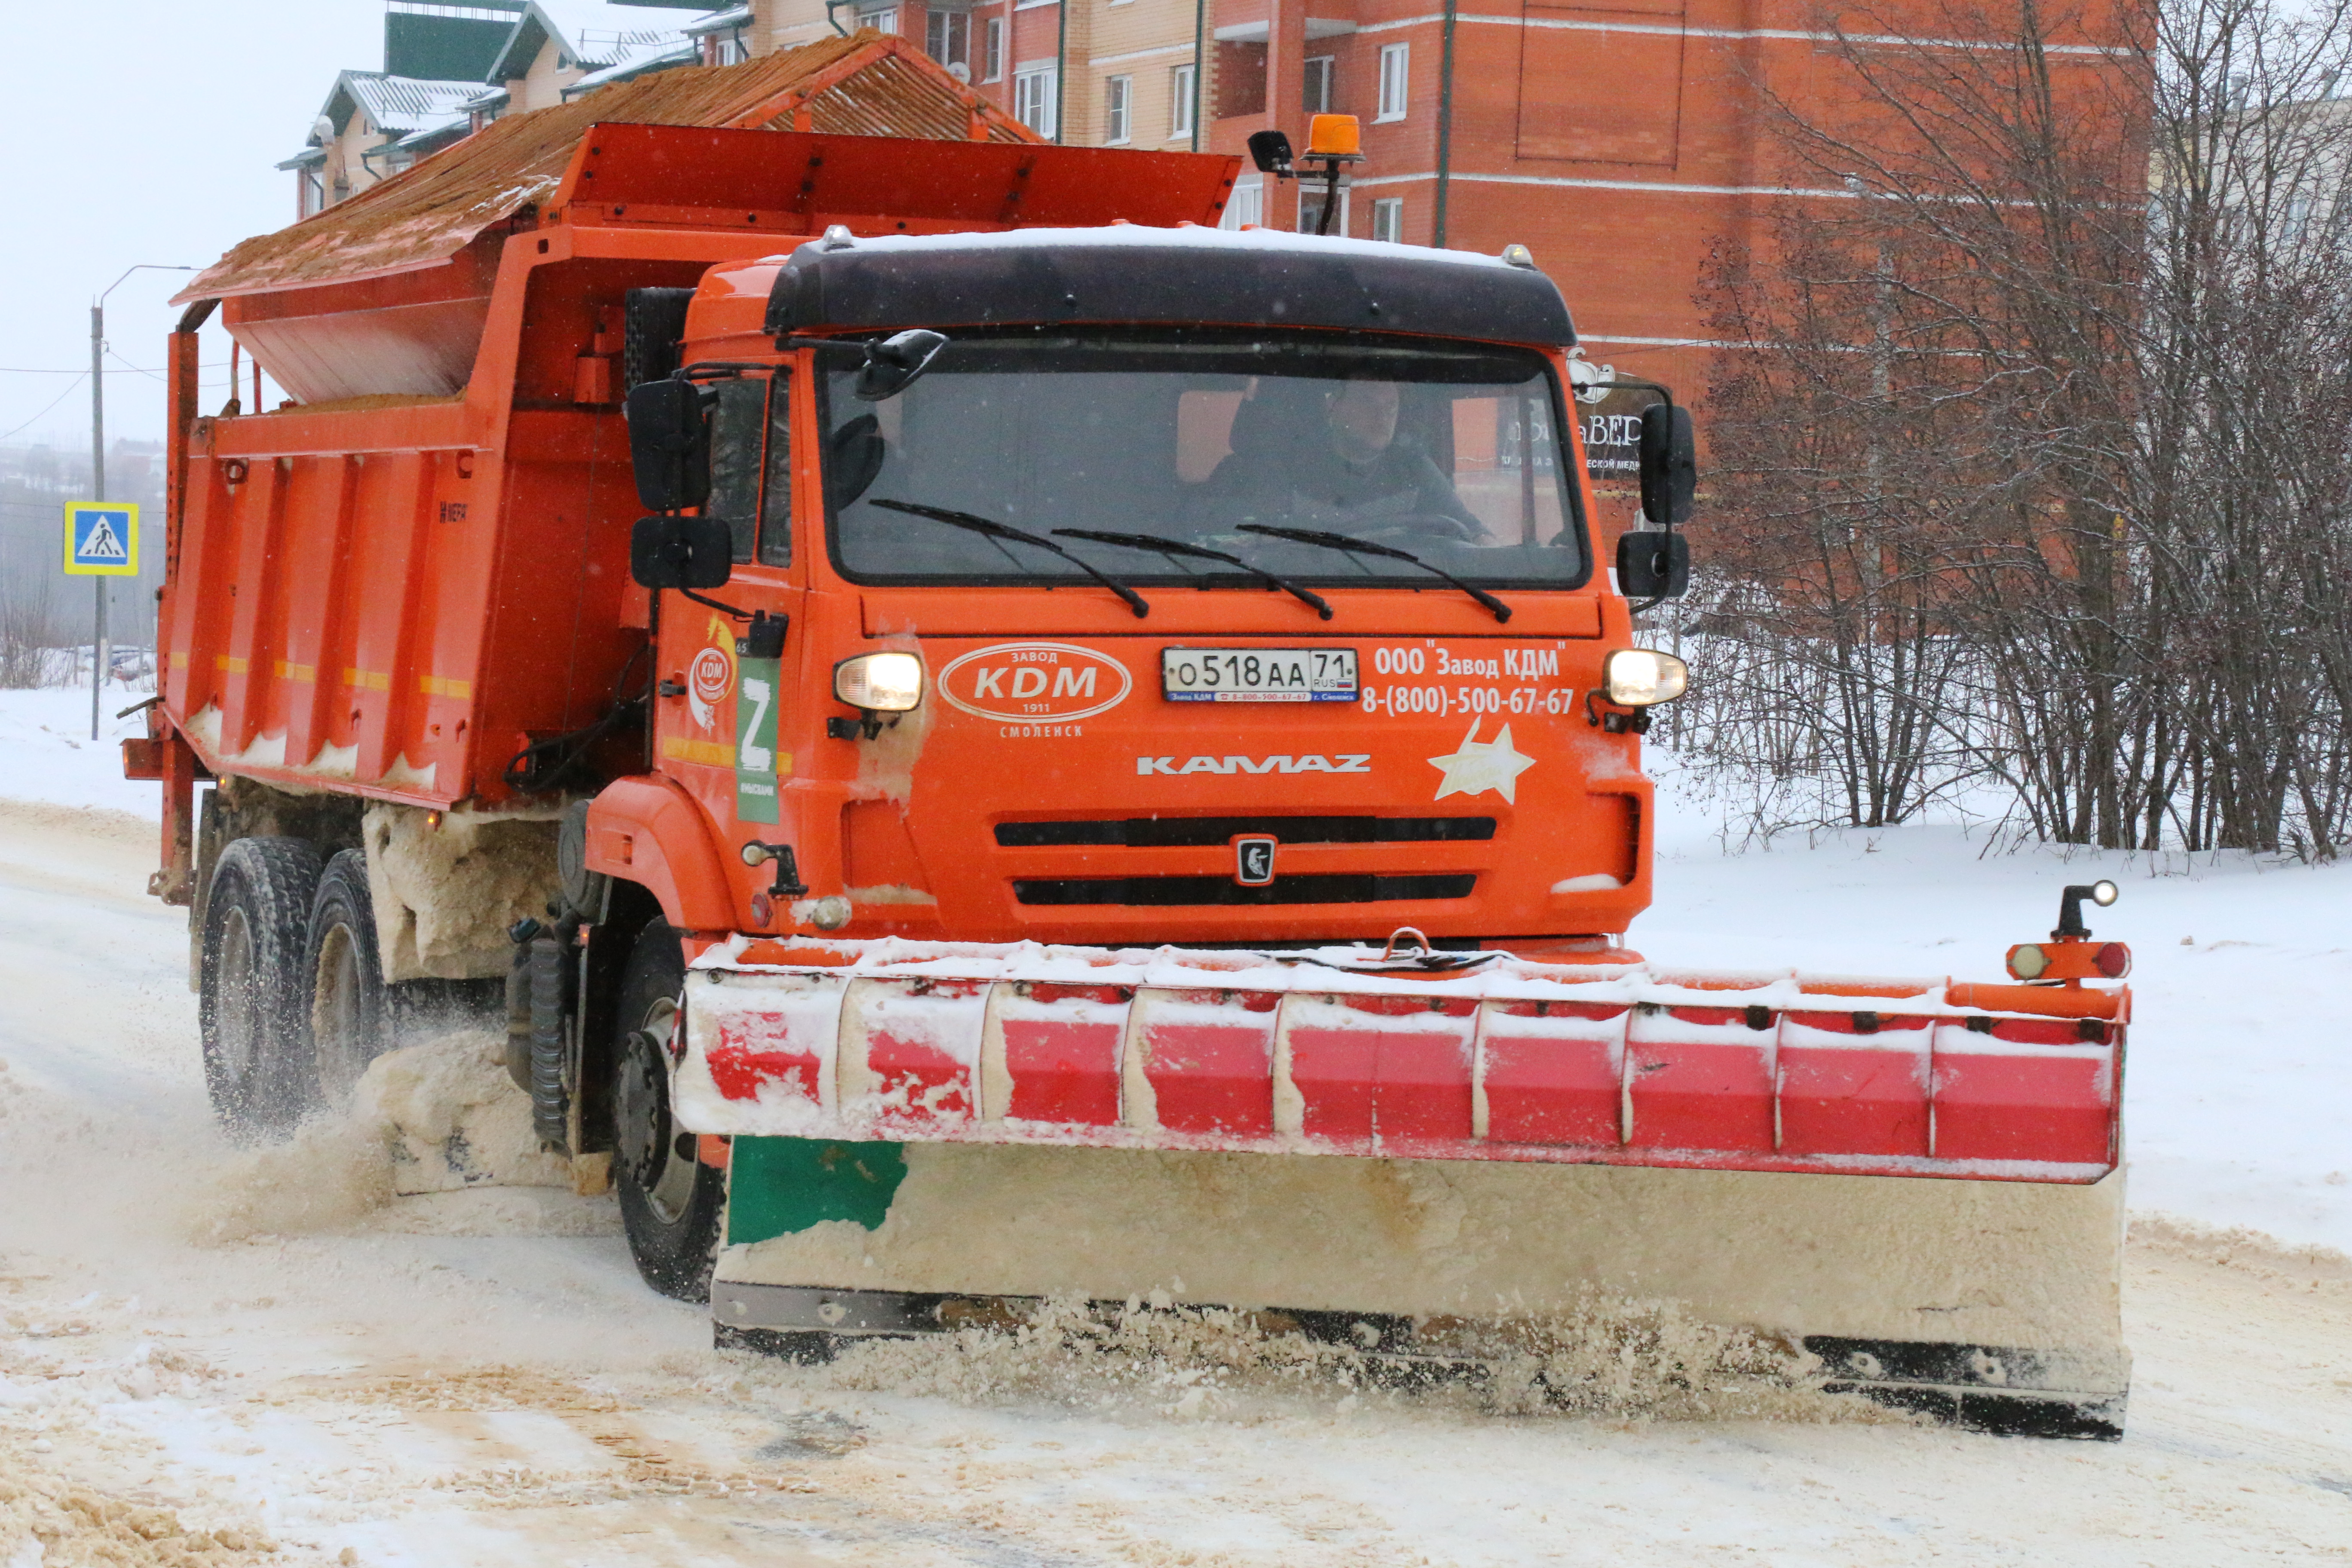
879 683
1641 677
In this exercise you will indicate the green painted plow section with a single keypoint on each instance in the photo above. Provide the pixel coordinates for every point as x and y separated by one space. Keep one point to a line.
776 1186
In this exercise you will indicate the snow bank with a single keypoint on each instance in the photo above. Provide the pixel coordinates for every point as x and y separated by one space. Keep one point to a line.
2233 1082
47 754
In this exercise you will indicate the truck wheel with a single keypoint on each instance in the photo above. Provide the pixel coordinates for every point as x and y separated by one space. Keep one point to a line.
251 991
671 1203
345 977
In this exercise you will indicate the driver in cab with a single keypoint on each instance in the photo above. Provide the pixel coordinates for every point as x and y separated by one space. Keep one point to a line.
1331 454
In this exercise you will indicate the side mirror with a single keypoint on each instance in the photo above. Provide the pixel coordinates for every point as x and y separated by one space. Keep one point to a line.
1270 151
1669 464
681 551
669 444
1653 566
893 364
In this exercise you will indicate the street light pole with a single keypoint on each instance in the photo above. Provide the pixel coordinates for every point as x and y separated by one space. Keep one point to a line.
97 648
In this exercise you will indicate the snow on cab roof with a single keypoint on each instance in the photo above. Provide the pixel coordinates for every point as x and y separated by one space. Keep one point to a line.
1267 241
1135 273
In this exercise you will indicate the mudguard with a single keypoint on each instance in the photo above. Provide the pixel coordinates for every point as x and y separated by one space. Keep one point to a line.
649 831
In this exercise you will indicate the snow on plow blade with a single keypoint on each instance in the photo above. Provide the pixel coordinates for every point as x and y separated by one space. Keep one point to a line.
1914 1180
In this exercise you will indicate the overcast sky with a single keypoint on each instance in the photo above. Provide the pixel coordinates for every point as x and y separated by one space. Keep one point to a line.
143 131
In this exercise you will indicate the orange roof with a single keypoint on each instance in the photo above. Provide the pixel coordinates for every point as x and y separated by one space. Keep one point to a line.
865 84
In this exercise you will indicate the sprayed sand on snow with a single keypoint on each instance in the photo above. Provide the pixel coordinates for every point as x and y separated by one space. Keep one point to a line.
1612 1357
437 1140
46 1521
454 1118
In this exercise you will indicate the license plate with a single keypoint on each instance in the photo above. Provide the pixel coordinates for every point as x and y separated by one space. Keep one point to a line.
1259 674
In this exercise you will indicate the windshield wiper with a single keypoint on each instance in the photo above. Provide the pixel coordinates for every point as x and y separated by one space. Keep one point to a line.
974 522
1184 547
1365 547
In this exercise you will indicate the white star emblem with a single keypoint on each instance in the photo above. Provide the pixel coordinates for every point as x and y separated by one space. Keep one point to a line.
1481 765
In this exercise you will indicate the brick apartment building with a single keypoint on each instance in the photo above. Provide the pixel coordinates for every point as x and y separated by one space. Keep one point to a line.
1620 142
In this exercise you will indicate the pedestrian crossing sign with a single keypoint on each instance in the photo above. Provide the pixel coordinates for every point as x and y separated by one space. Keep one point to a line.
101 538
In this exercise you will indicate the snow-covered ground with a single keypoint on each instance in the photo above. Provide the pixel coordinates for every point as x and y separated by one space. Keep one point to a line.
47 754
209 1355
2237 1088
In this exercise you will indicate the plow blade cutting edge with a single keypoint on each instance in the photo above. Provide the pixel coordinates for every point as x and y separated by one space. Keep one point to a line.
1914 1180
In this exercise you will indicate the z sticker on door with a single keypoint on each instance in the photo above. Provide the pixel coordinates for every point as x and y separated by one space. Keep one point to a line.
757 766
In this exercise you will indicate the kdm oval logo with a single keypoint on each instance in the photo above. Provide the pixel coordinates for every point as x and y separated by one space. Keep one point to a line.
708 680
1026 682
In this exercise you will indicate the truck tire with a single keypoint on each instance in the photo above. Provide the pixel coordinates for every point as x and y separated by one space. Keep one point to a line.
671 1203
349 1007
251 1002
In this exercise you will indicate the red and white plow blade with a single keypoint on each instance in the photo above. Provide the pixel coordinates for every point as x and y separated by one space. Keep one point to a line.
1623 1063
1494 1144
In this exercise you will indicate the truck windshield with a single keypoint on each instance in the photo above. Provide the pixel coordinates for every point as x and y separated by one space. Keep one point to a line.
1449 451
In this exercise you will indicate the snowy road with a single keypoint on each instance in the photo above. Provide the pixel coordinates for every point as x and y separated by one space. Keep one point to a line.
205 1355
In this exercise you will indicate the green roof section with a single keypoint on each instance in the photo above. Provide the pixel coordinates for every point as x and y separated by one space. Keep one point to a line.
434 42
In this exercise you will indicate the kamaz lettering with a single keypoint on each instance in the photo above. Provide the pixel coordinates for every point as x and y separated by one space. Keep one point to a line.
1359 762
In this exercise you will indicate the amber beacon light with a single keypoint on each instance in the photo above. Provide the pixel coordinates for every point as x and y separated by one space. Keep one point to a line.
1335 136
1333 141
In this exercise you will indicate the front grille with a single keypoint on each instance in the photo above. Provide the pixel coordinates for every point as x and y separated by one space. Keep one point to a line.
1161 892
1164 832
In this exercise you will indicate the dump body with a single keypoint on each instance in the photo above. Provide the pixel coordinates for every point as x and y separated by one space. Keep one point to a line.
389 592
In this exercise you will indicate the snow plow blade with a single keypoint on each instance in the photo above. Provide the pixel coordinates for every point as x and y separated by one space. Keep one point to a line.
1916 1181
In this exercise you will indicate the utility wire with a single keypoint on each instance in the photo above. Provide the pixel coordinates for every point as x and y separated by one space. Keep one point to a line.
150 374
60 397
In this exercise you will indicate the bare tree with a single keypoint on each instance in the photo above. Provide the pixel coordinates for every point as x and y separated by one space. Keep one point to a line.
2037 456
28 632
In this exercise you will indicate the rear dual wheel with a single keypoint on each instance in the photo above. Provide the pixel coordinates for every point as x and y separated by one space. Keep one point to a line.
292 1001
348 1003
250 997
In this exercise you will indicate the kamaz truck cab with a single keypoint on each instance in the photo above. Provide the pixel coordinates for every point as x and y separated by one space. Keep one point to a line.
1128 587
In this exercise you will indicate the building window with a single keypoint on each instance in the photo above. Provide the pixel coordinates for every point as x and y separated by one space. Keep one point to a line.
1119 111
883 21
1247 206
1240 78
1180 101
1317 100
1310 210
992 51
1395 72
314 192
1388 219
1034 98
947 38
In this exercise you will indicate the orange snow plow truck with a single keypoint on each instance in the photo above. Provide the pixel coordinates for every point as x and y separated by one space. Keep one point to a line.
1001 743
